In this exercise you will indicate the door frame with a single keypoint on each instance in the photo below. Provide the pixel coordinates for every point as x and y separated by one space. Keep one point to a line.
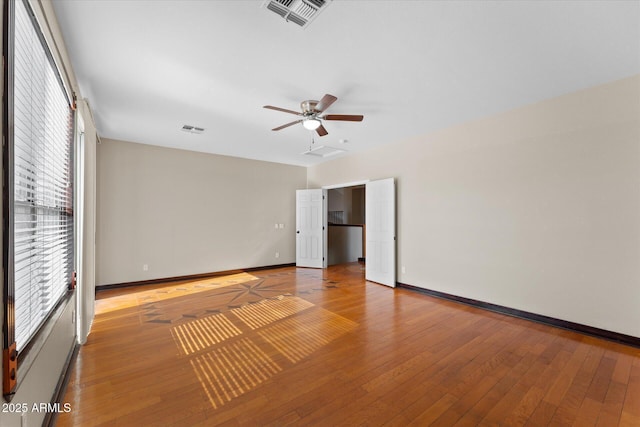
337 187
353 184
348 184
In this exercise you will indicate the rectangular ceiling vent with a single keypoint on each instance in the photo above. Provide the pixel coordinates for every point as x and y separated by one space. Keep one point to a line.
323 151
192 129
300 12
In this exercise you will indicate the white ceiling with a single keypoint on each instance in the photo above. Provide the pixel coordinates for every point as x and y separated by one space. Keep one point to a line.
411 67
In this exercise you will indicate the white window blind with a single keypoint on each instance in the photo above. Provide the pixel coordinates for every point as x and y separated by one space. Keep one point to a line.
43 196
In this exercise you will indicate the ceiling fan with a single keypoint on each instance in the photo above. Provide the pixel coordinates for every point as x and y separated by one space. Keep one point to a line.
312 114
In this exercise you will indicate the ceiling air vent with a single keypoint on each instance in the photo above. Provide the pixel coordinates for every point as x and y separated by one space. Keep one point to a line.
323 151
192 129
300 12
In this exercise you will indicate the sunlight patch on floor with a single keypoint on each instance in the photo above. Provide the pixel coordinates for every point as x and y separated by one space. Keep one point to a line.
127 300
229 365
299 336
232 370
267 311
201 334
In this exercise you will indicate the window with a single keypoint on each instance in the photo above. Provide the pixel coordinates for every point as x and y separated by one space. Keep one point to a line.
38 168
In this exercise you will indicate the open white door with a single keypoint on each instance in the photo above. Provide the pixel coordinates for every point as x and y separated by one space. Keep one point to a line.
380 214
311 228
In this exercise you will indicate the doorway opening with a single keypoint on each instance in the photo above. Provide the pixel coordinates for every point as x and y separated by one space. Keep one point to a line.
372 225
346 224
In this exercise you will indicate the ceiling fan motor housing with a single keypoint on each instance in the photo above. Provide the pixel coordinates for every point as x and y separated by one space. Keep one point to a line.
308 107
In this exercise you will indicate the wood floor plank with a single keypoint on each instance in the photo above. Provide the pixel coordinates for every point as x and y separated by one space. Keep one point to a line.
542 415
459 414
512 390
525 409
290 346
588 413
565 377
612 405
572 401
433 412
631 407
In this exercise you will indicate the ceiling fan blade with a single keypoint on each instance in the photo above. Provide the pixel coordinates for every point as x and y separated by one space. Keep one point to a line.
325 103
284 110
287 125
344 117
322 131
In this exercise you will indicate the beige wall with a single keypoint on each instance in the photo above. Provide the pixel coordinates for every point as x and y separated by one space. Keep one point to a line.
536 209
181 212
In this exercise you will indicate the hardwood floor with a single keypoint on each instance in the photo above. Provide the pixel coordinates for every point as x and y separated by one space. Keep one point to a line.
310 347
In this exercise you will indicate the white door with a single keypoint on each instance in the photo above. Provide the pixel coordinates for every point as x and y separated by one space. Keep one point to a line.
311 228
380 220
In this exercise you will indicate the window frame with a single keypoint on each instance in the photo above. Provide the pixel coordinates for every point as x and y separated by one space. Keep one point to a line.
12 360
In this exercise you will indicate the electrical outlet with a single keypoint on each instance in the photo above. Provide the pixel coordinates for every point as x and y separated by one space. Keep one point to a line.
281 225
404 270
145 267
276 226
277 254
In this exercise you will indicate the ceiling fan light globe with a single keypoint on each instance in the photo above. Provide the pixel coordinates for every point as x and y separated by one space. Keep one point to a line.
311 124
